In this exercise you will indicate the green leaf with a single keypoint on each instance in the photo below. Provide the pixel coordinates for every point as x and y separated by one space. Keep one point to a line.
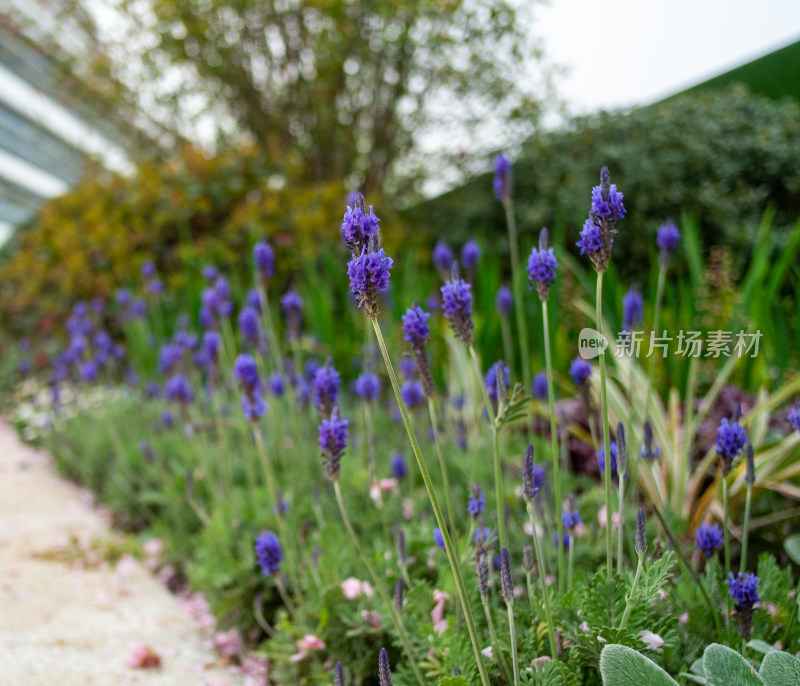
780 669
760 646
623 666
725 667
792 547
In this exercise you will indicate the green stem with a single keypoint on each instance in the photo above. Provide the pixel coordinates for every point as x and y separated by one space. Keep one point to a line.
516 284
398 624
370 443
688 434
554 445
746 530
493 637
505 329
513 633
629 600
437 511
651 368
498 472
606 437
551 634
727 552
448 497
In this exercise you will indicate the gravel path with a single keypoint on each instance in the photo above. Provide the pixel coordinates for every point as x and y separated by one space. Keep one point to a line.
72 624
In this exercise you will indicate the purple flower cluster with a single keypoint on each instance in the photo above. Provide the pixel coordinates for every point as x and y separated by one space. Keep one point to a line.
539 387
490 380
601 457
153 284
415 325
276 385
731 440
597 236
709 538
250 326
368 386
477 502
264 258
743 588
502 178
571 519
457 307
794 417
531 482
470 254
358 227
216 303
268 553
292 306
632 310
542 265
438 539
326 388
178 389
648 451
443 257
333 436
399 467
412 394
246 371
580 371
369 275
504 301
667 238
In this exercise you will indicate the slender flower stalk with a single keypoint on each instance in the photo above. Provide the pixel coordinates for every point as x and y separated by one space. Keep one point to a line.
437 511
507 584
622 460
750 478
662 274
482 573
448 497
641 549
378 582
504 192
597 239
542 267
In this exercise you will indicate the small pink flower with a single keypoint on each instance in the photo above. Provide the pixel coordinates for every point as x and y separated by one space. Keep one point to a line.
372 618
228 643
304 645
527 529
580 530
351 588
662 594
153 547
684 618
584 626
366 589
143 657
388 485
375 494
541 662
651 640
437 614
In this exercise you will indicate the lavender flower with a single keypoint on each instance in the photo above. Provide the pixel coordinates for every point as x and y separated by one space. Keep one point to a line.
326 388
632 310
641 533
416 331
246 371
210 273
667 239
211 345
399 467
443 257
438 539
470 254
648 452
148 269
794 417
571 519
292 305
477 502
264 258
250 326
412 394
253 299
731 439
178 389
490 380
368 386
504 301
333 436
506 581
89 371
743 588
483 537
457 307
407 368
276 385
564 540
542 265
338 675
597 236
502 178
384 669
709 538
166 419
268 553
601 457
539 387
358 227
147 451
580 371
529 481
369 275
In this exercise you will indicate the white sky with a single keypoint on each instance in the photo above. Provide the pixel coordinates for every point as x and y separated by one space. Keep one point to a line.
628 52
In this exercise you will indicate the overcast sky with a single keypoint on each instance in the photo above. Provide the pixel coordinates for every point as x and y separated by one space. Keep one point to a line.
627 52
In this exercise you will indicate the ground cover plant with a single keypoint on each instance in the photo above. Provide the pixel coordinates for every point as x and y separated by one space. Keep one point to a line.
466 499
